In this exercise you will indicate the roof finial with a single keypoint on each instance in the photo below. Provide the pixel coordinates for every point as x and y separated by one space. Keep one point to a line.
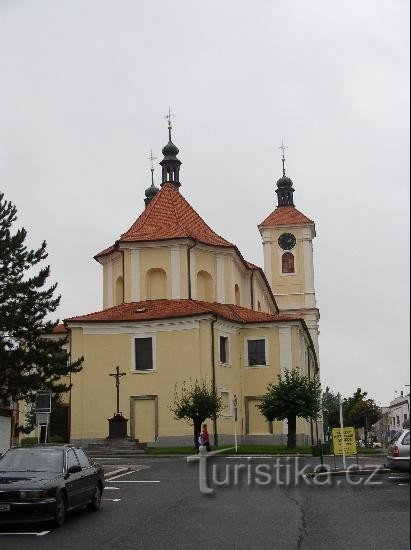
151 158
283 148
169 116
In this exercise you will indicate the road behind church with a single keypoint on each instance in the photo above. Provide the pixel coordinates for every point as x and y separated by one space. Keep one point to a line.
159 505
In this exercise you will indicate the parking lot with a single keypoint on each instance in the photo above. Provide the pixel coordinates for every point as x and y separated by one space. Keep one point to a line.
157 503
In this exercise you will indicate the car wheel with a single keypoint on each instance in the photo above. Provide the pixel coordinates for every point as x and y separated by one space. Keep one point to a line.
95 503
60 512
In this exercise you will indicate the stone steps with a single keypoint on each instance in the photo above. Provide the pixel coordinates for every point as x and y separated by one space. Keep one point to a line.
123 448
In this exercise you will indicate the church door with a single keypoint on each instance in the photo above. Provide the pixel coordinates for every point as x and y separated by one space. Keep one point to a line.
144 423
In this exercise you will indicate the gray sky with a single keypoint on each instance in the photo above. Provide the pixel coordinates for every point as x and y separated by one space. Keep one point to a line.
84 88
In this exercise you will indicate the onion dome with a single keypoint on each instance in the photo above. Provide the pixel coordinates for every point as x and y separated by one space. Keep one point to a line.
150 193
170 165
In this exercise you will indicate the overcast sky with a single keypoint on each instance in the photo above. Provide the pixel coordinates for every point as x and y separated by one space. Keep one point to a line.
85 85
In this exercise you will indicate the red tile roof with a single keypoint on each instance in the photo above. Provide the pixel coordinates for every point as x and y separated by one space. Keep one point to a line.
285 215
169 216
167 309
59 329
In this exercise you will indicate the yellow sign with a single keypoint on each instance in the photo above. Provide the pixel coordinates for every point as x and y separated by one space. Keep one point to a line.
350 446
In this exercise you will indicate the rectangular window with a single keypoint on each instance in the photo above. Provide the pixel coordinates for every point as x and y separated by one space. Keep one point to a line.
144 353
226 401
224 349
256 352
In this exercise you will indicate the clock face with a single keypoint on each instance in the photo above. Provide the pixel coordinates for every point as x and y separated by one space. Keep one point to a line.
287 241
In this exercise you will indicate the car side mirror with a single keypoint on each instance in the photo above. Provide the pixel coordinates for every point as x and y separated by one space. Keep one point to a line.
75 469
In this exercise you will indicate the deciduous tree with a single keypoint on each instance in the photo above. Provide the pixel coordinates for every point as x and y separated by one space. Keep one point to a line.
196 402
295 395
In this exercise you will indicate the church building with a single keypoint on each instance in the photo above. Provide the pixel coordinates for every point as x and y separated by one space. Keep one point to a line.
181 303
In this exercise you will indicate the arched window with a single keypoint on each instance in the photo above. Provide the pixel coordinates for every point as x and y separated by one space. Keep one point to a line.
119 291
288 263
156 284
237 297
205 287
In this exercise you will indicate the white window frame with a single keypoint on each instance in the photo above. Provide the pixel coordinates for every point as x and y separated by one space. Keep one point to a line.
230 402
135 337
267 358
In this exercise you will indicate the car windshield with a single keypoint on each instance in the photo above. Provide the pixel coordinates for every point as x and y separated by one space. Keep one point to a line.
32 460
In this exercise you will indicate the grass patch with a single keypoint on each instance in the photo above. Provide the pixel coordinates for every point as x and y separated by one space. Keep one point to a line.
242 449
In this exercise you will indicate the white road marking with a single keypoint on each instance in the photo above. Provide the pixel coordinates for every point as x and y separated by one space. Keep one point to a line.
112 499
40 534
135 481
111 488
121 475
114 472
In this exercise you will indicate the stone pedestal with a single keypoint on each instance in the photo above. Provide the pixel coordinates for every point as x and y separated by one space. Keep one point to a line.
117 427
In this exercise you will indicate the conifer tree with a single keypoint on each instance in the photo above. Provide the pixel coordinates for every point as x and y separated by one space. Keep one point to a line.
29 361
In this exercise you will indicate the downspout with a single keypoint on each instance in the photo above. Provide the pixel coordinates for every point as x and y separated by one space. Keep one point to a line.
311 420
252 290
122 255
189 265
213 381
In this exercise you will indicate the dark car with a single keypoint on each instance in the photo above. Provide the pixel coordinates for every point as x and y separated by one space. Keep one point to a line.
44 483
398 455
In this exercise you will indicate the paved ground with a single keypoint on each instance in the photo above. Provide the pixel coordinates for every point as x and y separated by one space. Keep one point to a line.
158 504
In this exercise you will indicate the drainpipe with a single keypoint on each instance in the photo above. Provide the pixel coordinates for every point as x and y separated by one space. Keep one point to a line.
213 381
122 255
311 420
189 265
252 289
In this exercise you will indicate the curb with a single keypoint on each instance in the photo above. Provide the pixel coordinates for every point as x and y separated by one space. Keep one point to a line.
353 472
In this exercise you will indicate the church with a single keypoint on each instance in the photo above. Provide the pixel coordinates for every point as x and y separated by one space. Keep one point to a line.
181 303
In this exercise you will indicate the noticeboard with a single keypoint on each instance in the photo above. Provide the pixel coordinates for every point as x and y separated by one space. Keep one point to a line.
350 445
43 402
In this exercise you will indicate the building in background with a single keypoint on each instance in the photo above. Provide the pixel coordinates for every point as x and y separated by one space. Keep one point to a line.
399 413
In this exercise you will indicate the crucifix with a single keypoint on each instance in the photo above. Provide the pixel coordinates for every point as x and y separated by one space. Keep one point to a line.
117 376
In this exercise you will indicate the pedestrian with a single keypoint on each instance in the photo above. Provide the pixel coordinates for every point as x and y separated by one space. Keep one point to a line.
205 438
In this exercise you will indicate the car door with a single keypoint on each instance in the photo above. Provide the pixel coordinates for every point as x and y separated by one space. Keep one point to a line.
88 475
74 482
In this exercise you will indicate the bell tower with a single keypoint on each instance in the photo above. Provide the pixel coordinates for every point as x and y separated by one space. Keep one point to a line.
288 256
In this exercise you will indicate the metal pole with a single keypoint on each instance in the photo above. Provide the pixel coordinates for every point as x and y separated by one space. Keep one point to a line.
342 431
235 422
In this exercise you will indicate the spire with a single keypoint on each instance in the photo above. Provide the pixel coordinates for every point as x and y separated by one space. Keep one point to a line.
151 191
170 163
284 189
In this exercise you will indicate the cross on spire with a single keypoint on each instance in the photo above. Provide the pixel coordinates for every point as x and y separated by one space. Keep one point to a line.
169 116
151 158
283 148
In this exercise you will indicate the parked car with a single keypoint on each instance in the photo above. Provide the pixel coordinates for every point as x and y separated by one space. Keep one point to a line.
398 457
45 482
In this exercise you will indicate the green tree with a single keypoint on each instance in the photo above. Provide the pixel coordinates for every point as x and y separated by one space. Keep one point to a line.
350 402
29 361
195 403
363 414
331 410
295 395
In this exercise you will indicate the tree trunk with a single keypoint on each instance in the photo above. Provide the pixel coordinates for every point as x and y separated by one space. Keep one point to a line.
292 429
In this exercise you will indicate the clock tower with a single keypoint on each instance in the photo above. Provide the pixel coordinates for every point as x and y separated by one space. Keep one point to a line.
288 257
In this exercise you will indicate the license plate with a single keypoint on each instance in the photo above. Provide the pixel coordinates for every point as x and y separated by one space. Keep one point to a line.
4 507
